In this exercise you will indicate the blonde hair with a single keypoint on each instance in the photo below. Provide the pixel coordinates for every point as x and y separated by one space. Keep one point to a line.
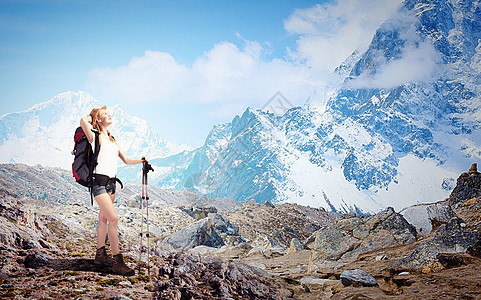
94 114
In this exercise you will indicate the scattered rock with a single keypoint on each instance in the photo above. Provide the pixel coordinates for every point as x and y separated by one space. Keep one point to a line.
296 245
280 223
36 260
121 297
268 229
357 277
197 212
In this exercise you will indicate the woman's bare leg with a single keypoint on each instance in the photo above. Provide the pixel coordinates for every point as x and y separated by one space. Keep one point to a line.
108 215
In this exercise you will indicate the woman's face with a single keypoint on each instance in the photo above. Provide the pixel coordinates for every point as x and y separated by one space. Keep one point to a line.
104 118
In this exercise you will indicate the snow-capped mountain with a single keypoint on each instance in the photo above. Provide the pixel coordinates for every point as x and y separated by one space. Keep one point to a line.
405 122
43 134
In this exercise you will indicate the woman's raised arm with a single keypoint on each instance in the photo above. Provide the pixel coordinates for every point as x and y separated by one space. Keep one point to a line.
84 123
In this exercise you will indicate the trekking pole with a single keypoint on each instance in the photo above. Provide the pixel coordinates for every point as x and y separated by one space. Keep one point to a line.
147 223
141 222
145 195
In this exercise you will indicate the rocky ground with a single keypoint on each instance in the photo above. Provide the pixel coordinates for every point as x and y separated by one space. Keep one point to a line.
252 251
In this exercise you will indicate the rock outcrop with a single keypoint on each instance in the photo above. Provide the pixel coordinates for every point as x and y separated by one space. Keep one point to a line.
19 227
348 238
456 224
190 276
468 186
271 228
448 238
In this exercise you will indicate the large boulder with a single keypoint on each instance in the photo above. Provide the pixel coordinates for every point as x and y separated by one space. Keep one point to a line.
331 244
205 232
428 216
36 259
439 213
417 216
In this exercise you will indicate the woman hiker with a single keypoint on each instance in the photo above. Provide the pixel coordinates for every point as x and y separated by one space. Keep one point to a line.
103 187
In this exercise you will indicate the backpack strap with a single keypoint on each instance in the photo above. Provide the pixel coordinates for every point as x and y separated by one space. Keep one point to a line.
104 180
97 148
94 163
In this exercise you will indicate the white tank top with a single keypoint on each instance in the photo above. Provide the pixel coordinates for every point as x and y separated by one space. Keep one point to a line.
108 157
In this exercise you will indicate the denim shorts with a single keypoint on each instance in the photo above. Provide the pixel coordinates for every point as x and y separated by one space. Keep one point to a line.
101 189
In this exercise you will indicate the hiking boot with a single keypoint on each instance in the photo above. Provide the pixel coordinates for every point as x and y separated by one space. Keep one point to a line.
120 267
102 258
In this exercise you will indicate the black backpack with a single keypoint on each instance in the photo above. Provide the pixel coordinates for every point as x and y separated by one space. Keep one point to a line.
85 161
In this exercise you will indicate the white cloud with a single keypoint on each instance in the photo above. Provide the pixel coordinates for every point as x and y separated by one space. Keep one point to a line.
224 75
228 76
418 63
156 75
329 33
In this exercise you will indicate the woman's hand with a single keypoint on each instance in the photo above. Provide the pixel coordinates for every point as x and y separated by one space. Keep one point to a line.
87 119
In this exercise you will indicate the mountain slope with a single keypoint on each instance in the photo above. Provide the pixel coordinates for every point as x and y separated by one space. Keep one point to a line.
404 123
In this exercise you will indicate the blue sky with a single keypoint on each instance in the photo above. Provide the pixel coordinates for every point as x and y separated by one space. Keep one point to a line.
181 65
